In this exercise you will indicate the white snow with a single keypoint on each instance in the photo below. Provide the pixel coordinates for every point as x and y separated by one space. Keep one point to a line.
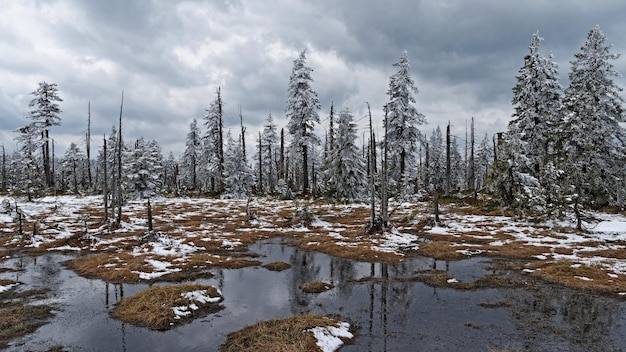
194 296
4 288
329 337
200 296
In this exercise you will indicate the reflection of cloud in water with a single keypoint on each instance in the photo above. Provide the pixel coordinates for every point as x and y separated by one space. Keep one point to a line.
392 315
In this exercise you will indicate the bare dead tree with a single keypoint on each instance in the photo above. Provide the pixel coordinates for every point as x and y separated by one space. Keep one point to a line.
260 163
105 190
384 201
149 216
372 150
119 165
243 134
448 161
88 144
4 170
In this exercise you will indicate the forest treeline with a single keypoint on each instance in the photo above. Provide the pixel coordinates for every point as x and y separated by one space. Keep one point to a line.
563 149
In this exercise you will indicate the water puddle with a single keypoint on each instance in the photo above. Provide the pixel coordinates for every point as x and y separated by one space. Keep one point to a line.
392 315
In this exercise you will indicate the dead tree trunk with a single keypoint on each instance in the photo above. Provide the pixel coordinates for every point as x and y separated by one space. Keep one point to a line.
149 216
372 149
105 186
119 166
260 164
88 144
384 215
448 161
436 207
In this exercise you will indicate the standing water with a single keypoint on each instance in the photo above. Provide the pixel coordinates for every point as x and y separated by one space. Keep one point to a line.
390 314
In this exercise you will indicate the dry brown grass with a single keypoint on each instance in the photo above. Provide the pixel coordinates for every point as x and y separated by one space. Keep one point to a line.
5 282
277 266
280 335
316 286
152 307
355 248
439 278
123 267
18 320
498 304
607 253
518 250
579 276
111 267
441 250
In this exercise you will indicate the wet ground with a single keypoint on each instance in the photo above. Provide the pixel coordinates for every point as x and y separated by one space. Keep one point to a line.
390 314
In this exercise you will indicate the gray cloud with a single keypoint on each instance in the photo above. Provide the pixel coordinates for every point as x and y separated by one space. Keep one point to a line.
169 57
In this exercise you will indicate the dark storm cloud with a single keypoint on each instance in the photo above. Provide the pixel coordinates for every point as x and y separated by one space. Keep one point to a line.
169 57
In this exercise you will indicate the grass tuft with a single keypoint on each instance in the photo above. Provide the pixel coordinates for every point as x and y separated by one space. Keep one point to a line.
284 335
152 307
18 320
316 287
277 266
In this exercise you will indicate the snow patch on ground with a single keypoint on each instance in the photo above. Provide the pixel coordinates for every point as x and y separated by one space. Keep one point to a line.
198 296
329 337
5 288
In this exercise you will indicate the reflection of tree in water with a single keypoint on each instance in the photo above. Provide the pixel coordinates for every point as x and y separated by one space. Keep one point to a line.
389 302
580 321
303 269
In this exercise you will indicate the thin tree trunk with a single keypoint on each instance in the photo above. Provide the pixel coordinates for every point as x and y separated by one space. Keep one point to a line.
105 187
243 135
54 187
436 206
149 216
75 178
448 161
88 144
220 139
305 170
260 165
385 181
4 170
372 151
282 153
119 166
472 177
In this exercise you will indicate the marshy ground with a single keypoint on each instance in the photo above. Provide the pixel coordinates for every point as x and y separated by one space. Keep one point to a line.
192 239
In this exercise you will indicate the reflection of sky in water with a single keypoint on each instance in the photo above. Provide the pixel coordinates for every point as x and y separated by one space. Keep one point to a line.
396 316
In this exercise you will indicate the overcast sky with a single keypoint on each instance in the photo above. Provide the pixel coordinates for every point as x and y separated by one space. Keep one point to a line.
169 57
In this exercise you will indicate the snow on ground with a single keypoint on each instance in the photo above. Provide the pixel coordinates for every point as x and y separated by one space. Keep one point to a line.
4 288
329 337
554 235
194 297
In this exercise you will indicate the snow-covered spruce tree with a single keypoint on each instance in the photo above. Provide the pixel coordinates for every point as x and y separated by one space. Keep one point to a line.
269 148
192 156
327 153
347 179
484 160
592 147
457 166
45 114
28 178
527 145
403 120
213 145
301 110
142 169
238 178
170 174
437 162
72 164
